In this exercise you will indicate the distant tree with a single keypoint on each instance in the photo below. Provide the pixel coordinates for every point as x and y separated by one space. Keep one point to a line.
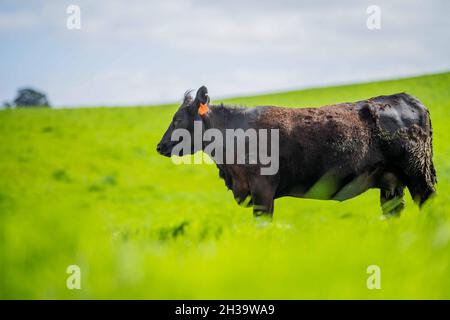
7 105
27 97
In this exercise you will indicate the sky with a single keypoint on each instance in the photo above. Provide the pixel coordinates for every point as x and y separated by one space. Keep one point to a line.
148 52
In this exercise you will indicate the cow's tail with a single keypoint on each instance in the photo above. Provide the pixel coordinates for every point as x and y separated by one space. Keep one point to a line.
424 178
431 167
430 171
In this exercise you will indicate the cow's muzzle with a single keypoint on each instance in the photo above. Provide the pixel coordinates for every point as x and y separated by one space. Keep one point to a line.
163 150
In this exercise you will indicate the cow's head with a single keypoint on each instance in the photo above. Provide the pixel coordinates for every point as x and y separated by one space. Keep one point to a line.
184 118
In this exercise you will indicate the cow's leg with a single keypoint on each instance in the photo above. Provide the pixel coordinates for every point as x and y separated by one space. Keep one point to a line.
241 192
392 202
391 193
262 191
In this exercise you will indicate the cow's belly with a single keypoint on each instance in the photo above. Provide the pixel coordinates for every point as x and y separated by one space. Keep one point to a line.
331 188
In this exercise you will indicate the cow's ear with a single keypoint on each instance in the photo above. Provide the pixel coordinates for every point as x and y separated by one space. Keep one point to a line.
202 95
201 101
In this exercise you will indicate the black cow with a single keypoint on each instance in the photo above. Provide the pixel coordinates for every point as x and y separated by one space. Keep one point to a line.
334 152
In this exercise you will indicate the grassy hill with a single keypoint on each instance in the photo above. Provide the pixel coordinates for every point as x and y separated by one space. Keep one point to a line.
86 187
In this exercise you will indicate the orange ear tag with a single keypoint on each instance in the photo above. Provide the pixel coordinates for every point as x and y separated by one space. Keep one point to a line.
203 109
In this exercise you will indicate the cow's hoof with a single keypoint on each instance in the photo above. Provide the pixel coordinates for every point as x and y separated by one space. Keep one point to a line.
262 216
390 215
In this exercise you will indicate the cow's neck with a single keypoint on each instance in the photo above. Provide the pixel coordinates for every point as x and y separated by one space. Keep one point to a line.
222 117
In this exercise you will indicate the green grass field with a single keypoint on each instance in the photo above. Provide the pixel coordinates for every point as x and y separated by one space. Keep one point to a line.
86 187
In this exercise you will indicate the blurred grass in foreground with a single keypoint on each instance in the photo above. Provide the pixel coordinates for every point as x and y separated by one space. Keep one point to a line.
86 187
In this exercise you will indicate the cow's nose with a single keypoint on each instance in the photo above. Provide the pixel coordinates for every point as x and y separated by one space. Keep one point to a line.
158 147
